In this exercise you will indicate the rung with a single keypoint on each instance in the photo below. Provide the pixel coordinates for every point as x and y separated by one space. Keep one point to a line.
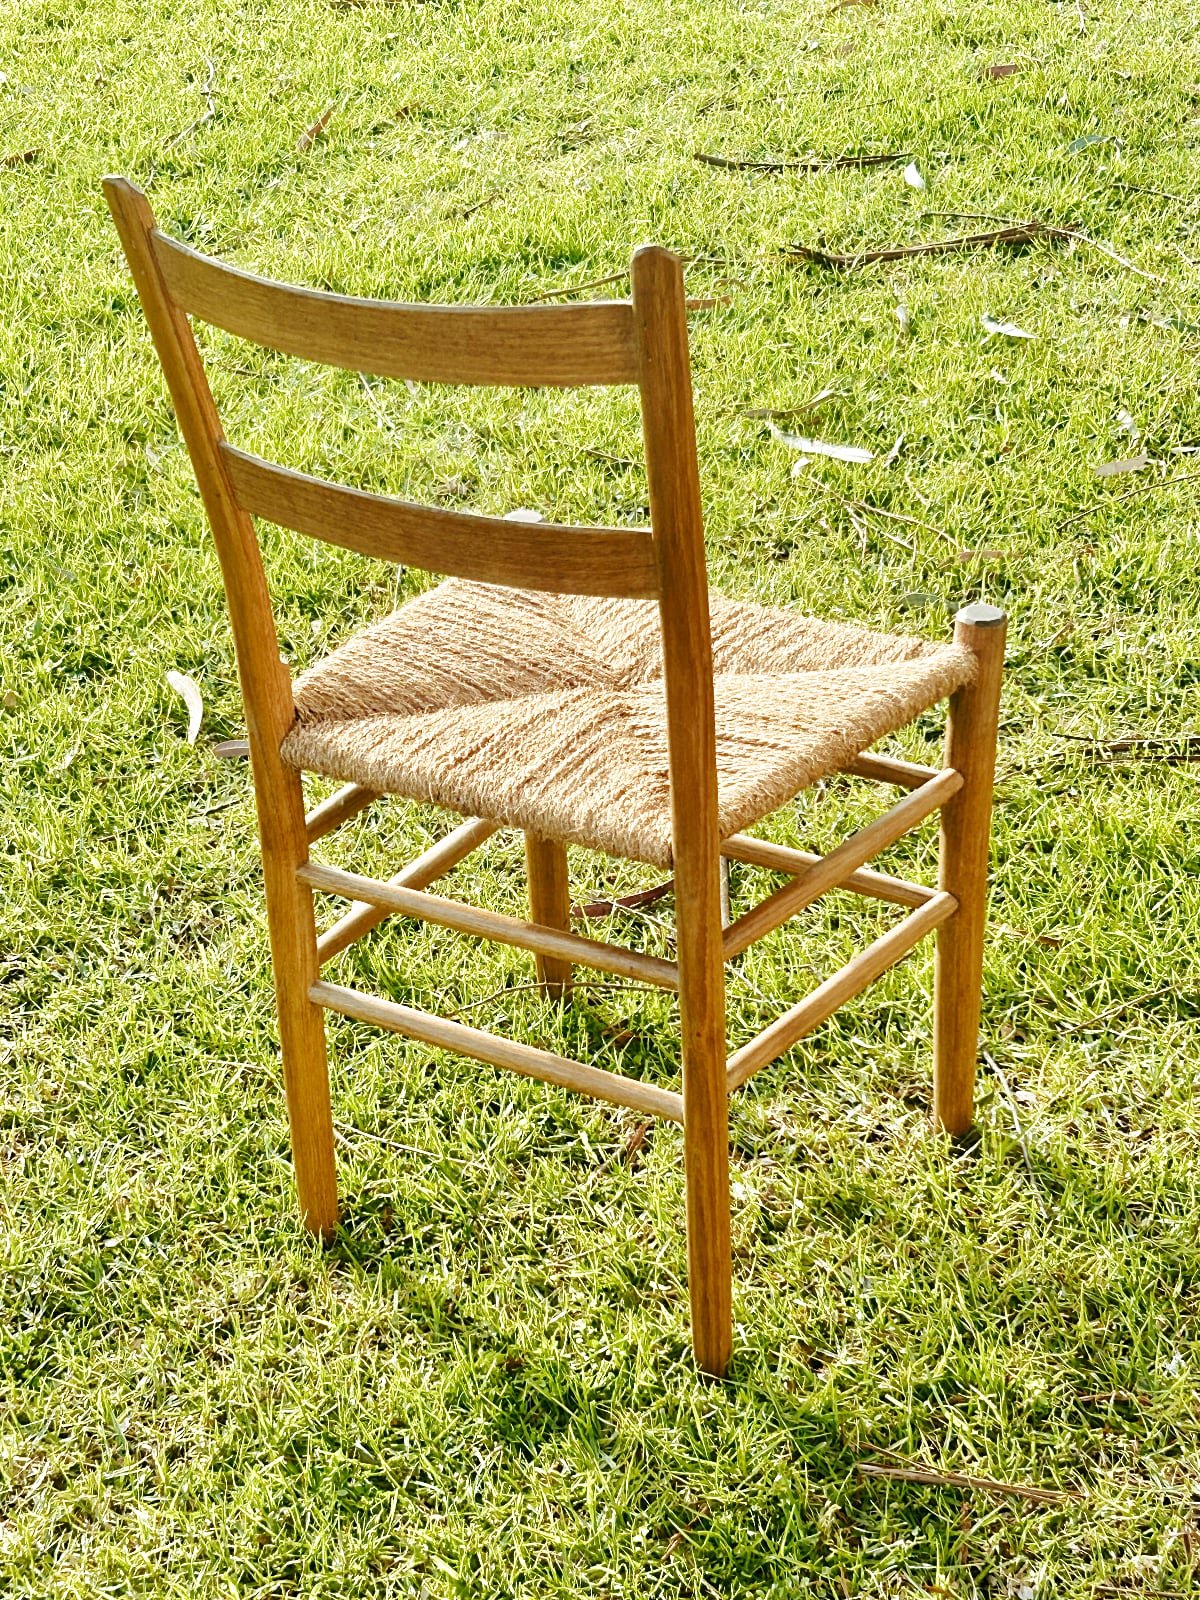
831 871
516 1057
780 858
493 925
339 808
890 769
418 874
850 980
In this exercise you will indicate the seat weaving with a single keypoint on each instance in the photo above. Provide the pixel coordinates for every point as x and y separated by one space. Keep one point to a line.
547 712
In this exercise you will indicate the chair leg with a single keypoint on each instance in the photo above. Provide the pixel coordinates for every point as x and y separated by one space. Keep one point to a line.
292 927
549 904
963 869
705 1113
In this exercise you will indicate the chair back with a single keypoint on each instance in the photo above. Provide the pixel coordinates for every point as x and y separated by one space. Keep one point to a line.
640 341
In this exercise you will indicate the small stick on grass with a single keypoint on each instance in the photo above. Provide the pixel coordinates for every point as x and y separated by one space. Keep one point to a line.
1018 234
314 131
626 902
963 1480
808 164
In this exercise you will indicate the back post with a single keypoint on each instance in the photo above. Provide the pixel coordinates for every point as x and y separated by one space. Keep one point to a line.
664 376
267 697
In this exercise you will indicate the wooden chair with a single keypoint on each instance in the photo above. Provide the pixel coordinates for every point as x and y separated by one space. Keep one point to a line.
584 687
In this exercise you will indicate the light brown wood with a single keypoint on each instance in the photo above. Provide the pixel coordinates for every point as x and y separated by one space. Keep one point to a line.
848 981
660 322
551 346
419 873
781 858
525 1059
832 871
963 868
890 769
616 562
339 808
493 925
549 904
267 696
642 341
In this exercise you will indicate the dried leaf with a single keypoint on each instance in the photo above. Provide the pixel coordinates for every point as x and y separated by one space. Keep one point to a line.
818 447
21 158
1127 425
1001 69
232 749
1086 141
912 176
523 514
1110 469
189 690
902 317
1007 330
316 129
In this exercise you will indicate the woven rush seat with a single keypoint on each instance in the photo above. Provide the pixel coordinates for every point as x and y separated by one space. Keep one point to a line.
547 712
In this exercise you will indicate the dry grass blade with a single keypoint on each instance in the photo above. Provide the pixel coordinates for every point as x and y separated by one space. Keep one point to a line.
805 164
578 288
1018 234
964 1480
314 131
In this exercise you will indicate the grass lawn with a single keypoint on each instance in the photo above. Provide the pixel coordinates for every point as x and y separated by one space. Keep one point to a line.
483 1387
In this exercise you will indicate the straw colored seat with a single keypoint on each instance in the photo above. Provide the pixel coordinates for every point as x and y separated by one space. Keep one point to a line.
546 712
580 684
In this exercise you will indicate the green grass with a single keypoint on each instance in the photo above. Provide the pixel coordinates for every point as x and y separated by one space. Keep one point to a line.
483 1387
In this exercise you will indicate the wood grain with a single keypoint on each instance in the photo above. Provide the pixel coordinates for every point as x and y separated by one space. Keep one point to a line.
493 925
339 808
848 981
529 1061
419 873
549 904
267 697
668 426
963 868
617 562
865 881
831 871
541 346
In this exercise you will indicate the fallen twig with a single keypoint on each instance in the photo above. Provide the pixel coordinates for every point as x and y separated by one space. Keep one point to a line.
211 111
891 516
1010 233
314 131
963 1480
807 164
1141 488
626 902
479 204
1018 234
